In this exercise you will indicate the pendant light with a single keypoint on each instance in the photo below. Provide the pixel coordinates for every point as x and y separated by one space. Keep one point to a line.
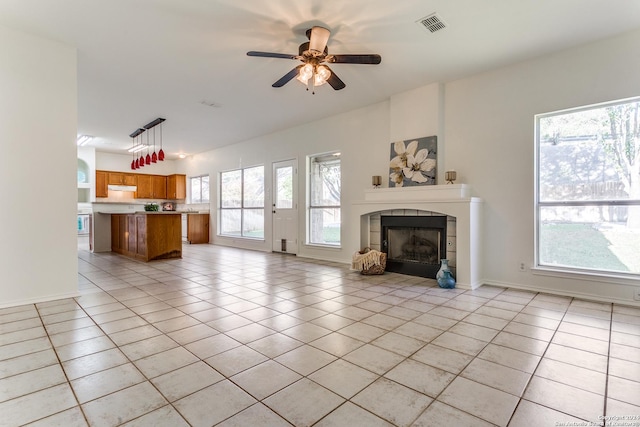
133 155
154 156
138 145
161 153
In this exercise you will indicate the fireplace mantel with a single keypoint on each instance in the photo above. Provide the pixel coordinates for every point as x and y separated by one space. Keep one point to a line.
453 200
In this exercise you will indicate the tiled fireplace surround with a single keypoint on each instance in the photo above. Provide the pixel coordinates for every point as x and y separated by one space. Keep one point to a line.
464 216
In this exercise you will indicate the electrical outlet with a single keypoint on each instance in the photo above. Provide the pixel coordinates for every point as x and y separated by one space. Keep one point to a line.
636 294
523 266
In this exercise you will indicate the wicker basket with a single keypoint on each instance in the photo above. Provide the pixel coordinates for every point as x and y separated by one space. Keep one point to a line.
376 269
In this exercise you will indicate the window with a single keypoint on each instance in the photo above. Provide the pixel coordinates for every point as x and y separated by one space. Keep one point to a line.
200 189
588 188
242 203
324 200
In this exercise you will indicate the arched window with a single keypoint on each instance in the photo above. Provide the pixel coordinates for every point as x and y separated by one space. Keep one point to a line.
83 172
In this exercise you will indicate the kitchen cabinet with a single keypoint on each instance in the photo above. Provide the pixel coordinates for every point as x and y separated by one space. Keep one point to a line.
120 178
198 228
144 190
102 182
176 187
158 187
151 187
146 236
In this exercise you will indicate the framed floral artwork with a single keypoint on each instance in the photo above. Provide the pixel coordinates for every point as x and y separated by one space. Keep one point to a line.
413 162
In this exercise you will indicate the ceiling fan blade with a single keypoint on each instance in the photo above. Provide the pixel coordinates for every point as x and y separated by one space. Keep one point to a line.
335 81
355 59
318 39
272 55
290 75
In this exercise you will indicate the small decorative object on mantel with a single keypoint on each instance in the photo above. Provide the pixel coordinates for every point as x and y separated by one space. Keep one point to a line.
376 181
369 261
413 163
444 277
450 176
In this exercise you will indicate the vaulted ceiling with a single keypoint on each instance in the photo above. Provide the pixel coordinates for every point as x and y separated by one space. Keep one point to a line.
185 60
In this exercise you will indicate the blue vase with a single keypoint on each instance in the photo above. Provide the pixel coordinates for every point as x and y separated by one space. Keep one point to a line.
447 281
444 266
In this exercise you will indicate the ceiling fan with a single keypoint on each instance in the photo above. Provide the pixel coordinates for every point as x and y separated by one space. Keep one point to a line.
314 55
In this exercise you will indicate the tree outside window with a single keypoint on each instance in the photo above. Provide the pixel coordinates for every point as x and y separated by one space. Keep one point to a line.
242 203
324 200
199 189
588 195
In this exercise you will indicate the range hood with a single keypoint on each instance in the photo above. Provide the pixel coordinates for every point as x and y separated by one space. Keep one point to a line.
122 187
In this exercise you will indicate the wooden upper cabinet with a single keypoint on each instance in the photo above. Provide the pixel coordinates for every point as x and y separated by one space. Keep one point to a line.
151 187
171 187
102 189
159 186
176 187
144 187
120 178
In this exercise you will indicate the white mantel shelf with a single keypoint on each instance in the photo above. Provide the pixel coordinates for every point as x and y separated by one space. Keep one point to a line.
451 199
434 193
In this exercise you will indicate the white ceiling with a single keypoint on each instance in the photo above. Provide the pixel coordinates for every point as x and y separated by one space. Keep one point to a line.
143 59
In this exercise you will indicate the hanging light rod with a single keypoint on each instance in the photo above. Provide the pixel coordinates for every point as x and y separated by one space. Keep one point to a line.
156 122
137 132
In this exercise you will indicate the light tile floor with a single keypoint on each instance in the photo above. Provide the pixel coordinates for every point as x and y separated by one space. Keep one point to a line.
240 338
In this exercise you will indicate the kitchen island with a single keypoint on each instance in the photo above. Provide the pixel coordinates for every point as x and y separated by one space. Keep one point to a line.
146 236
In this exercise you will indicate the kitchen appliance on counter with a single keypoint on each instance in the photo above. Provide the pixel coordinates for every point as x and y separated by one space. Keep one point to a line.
168 207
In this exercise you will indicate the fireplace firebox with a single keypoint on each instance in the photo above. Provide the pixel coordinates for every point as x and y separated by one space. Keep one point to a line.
414 244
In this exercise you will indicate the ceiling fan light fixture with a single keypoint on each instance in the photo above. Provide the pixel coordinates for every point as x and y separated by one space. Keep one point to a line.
305 74
321 75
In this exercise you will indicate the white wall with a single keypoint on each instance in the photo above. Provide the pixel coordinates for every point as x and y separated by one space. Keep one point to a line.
489 132
38 122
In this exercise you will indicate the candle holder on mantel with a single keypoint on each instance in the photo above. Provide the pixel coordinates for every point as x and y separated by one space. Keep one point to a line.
376 181
450 176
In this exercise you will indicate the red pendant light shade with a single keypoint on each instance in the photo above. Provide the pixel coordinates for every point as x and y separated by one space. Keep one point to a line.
154 156
133 165
161 152
141 161
137 164
147 159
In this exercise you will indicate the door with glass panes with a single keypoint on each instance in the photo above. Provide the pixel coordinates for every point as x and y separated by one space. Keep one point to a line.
285 207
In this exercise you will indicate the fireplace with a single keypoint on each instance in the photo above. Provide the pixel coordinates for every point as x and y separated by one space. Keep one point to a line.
414 244
464 219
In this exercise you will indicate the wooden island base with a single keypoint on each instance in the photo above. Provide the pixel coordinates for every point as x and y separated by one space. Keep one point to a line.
147 235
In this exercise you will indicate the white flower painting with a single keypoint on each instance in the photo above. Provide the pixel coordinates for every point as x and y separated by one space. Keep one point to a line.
413 162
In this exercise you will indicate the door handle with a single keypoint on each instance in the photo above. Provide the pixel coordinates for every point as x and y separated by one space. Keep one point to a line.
274 211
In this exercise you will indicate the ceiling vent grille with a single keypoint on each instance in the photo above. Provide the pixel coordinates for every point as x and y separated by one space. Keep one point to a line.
432 23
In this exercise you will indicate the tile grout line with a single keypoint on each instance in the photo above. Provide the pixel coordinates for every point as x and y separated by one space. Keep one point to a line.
606 383
64 371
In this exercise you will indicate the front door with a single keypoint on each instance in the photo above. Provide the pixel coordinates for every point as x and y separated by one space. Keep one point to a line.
285 207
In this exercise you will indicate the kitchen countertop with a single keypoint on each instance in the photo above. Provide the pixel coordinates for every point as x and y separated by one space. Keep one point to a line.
150 212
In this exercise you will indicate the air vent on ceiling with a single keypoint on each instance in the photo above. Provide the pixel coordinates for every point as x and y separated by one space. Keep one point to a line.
432 23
